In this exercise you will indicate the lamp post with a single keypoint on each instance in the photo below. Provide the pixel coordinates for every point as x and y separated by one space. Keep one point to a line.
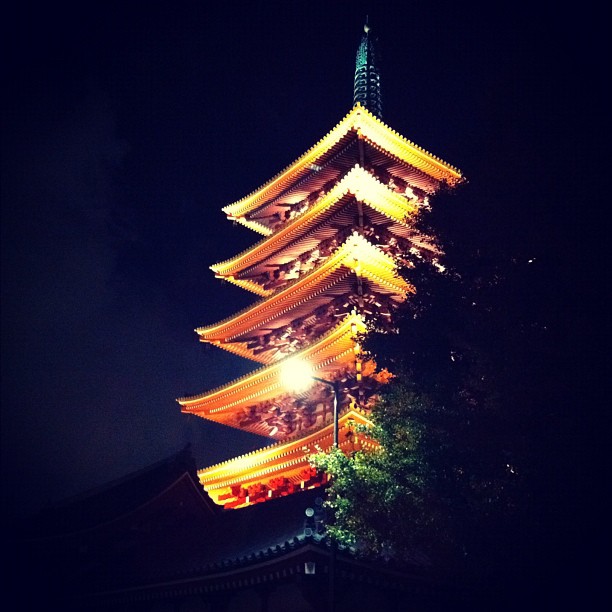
332 557
336 391
298 377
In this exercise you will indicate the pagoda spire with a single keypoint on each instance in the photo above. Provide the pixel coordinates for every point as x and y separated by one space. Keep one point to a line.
367 76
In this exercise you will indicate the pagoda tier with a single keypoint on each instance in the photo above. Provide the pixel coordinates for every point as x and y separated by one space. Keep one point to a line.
260 404
357 276
359 138
280 469
358 202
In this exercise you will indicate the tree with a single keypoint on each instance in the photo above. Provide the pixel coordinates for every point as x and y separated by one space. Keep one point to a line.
424 494
378 498
472 430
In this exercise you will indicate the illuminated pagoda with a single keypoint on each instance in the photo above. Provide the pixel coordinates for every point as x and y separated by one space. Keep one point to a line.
335 225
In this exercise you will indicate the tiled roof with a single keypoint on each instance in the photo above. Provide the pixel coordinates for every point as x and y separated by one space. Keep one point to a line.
118 498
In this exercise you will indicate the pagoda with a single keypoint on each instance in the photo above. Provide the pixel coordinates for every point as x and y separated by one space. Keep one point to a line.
336 224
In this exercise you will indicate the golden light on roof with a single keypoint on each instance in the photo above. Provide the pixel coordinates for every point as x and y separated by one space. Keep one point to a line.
358 182
288 458
356 253
337 346
364 125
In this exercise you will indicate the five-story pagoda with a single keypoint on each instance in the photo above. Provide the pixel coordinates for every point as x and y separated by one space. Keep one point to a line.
335 224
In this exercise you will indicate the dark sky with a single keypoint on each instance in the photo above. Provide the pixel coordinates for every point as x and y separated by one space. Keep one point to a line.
128 126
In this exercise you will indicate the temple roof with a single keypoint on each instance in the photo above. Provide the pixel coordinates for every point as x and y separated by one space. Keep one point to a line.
326 356
108 503
286 459
335 277
330 158
156 553
321 222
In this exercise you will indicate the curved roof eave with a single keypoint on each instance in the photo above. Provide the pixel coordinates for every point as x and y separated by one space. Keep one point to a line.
265 381
365 124
357 182
279 302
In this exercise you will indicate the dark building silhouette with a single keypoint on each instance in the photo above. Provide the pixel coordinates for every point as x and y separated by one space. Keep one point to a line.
153 541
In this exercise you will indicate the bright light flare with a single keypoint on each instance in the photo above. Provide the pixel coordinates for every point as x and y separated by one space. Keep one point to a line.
296 375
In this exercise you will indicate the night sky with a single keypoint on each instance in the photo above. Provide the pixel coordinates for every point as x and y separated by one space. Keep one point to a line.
125 131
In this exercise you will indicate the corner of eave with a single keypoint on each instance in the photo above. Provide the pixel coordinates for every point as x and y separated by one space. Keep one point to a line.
370 117
228 210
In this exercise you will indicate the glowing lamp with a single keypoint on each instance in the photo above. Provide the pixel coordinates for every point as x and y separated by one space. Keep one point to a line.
296 375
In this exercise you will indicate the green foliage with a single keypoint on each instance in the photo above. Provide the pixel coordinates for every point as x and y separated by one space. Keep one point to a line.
378 497
482 459
421 494
449 479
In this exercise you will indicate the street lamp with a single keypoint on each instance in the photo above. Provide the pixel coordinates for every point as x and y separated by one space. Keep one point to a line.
297 375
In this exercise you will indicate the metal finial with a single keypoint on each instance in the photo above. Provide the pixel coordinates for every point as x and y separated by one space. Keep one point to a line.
366 88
